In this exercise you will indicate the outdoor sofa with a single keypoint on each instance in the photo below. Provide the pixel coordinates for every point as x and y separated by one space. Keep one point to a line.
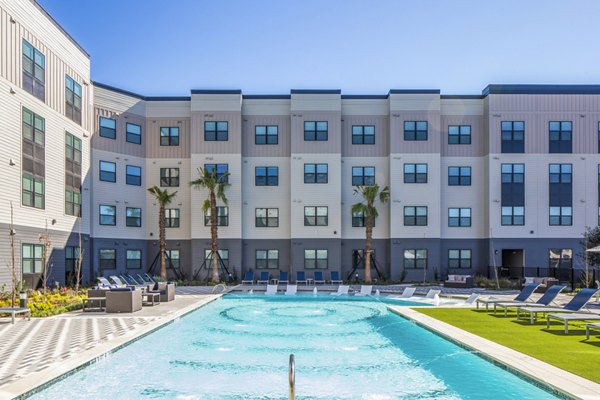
459 281
123 300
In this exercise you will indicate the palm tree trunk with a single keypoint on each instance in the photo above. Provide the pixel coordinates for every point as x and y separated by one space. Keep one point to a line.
162 240
214 247
368 246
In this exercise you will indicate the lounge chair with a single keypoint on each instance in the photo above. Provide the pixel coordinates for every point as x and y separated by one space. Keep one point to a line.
342 290
144 280
118 281
432 293
335 278
365 290
543 301
291 290
590 327
319 277
136 281
13 311
471 299
283 278
526 292
150 278
106 283
566 318
301 277
575 305
248 278
123 300
271 290
407 293
263 278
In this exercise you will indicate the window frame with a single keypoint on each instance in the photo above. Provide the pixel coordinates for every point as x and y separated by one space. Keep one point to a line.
216 134
418 255
222 216
269 262
316 134
172 218
221 176
318 176
509 134
416 134
266 218
35 261
513 218
460 179
167 178
269 178
107 216
104 175
33 81
417 177
461 138
361 137
129 219
564 217
559 144
459 221
128 259
105 131
170 137
460 259
320 263
316 218
136 136
363 179
103 261
413 220
71 97
267 136
130 179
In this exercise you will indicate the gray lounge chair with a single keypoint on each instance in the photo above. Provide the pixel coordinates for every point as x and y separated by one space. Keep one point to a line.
566 318
543 301
13 311
526 292
575 305
589 327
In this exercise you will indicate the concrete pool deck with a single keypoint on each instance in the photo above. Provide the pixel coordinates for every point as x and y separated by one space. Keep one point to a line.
35 352
555 378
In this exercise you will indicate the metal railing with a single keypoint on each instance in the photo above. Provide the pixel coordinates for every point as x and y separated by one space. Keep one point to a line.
292 377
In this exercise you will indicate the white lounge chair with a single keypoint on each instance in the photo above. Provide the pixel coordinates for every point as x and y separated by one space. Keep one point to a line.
271 290
365 290
431 293
566 318
291 290
408 292
342 290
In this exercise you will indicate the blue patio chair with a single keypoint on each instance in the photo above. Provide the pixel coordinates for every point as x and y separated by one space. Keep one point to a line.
263 278
319 277
150 278
301 277
283 277
248 278
335 278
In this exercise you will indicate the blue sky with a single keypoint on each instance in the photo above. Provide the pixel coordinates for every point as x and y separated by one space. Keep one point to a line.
166 47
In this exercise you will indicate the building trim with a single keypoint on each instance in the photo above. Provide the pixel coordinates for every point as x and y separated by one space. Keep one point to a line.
216 91
414 91
316 91
541 89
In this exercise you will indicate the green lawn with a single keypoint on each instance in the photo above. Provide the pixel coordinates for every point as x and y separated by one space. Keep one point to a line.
570 352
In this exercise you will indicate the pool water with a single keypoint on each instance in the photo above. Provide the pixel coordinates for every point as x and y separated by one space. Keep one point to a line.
237 348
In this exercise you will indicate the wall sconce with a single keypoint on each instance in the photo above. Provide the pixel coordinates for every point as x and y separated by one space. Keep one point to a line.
12 20
54 221
11 163
12 91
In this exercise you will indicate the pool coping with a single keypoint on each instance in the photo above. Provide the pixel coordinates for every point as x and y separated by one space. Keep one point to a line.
554 379
37 381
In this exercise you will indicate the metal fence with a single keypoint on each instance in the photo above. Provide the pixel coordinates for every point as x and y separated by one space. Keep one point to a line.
574 277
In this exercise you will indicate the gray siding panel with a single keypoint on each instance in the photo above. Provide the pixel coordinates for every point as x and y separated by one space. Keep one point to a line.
397 142
232 146
249 254
477 147
332 145
120 144
381 146
250 149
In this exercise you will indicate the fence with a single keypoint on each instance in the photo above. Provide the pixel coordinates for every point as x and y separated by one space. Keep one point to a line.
575 277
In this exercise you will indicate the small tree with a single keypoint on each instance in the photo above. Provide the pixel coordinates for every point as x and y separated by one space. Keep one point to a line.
16 283
591 239
163 197
44 239
216 191
367 209
79 260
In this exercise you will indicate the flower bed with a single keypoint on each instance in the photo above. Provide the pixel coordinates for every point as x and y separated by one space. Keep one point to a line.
56 301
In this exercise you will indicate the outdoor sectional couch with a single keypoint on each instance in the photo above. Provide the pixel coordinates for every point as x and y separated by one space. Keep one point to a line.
459 281
166 291
123 300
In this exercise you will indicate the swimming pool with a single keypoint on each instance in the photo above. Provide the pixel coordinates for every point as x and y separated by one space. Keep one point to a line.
345 348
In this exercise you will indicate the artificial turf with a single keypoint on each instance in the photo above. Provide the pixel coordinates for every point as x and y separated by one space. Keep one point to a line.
569 352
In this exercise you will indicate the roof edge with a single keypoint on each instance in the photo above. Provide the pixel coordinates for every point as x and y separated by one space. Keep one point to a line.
316 91
216 91
540 89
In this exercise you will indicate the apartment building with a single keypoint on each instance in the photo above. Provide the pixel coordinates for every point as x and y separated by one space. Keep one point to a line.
506 178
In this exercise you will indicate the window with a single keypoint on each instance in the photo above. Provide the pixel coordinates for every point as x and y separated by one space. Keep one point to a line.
513 216
133 175
72 99
315 216
32 258
315 259
73 148
71 258
108 215
223 255
363 134
133 133
173 256
33 192
561 135
315 173
267 217
513 136
108 259
267 259
266 176
222 216
415 216
561 173
459 134
34 127
315 131
171 217
598 137
359 220
459 258
169 177
415 173
108 128
459 176
216 131
221 171
266 134
363 176
561 216
459 217
34 71
415 130
133 259
169 136
513 173
560 258
108 171
133 217
72 202
415 258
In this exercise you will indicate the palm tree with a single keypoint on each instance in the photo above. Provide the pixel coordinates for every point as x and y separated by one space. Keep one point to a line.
368 210
164 198
216 186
